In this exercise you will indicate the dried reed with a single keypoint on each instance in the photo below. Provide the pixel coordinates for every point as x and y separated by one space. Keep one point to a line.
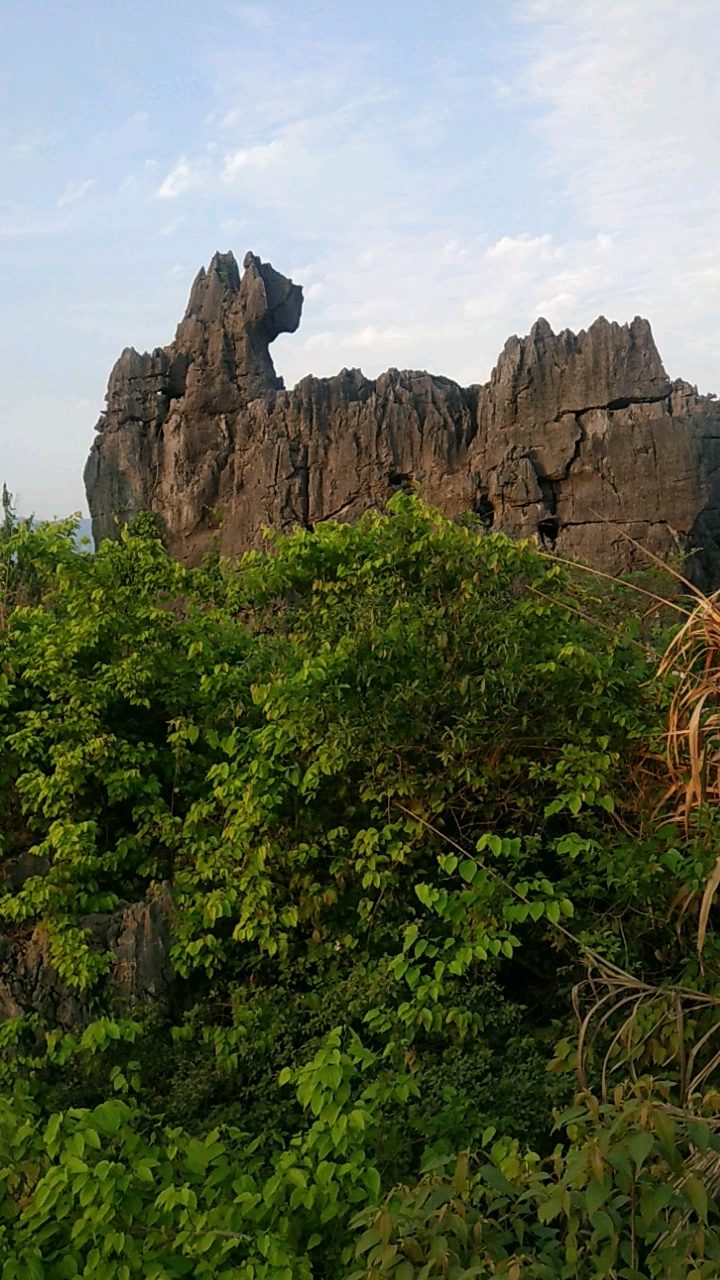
692 660
693 738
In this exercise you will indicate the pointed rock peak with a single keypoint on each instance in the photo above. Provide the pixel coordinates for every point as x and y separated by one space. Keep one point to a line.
212 287
630 346
641 332
226 268
541 329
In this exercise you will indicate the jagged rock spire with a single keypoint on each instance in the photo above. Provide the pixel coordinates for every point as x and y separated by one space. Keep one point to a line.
577 439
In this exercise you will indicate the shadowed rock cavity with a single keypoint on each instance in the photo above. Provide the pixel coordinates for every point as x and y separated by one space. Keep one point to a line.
577 439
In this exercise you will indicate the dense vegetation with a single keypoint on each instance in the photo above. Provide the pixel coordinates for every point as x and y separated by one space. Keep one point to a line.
406 785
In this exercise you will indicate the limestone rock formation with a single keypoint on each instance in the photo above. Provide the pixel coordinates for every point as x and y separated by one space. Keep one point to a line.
582 439
138 936
578 439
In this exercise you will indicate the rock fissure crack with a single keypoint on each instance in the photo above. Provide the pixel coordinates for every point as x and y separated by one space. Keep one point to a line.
613 406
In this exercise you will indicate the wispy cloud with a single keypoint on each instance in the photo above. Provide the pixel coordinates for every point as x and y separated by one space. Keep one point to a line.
232 226
261 157
171 227
28 145
180 179
75 191
630 133
622 105
520 248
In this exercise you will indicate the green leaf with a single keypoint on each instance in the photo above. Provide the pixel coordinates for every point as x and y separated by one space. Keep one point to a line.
597 1193
552 911
666 1133
367 1240
639 1146
108 1116
697 1195
602 1225
653 1202
405 1271
699 1132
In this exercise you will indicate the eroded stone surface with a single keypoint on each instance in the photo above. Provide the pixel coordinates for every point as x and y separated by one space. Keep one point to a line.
138 936
577 438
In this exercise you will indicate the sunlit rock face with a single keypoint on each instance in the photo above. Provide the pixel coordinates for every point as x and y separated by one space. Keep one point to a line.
579 439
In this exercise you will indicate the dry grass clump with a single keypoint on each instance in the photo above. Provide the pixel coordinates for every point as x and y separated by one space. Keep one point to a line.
693 739
653 1024
692 660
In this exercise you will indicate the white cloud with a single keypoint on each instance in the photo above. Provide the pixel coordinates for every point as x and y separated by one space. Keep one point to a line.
392 337
180 179
261 157
399 338
519 247
452 252
613 124
75 191
629 133
552 306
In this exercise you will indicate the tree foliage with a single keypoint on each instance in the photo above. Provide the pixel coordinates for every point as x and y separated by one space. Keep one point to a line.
404 781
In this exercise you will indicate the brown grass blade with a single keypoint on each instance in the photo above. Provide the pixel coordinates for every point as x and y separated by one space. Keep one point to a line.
695 753
710 890
609 577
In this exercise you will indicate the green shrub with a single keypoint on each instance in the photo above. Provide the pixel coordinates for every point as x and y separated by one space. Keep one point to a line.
403 781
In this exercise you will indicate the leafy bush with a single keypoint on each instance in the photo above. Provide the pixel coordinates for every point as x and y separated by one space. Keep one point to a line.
403 781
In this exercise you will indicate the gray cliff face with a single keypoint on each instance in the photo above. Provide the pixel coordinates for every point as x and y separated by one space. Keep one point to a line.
576 438
582 439
138 937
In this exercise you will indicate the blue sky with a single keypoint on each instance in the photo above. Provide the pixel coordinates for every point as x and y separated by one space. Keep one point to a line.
435 175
